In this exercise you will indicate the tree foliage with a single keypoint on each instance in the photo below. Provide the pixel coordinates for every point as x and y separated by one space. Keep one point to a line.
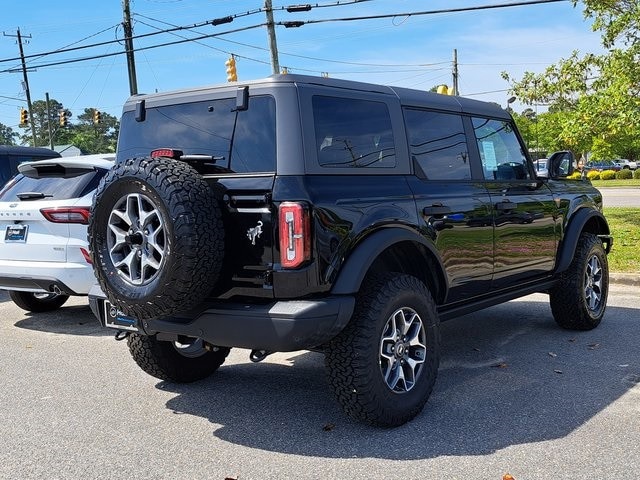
7 135
82 133
593 101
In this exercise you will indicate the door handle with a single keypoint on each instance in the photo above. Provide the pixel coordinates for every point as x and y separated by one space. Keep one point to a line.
435 210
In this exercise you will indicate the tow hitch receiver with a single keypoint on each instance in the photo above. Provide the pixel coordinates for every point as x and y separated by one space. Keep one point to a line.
258 355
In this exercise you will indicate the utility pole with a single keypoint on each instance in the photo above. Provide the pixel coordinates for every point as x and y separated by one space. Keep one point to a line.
46 95
455 72
128 45
273 46
26 84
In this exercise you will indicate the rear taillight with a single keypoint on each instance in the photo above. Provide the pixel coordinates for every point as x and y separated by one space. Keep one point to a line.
295 234
67 214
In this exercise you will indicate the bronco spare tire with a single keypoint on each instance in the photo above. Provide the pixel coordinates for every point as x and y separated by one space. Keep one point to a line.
156 237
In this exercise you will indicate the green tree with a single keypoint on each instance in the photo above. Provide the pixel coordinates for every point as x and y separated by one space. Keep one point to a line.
596 98
41 121
7 135
95 138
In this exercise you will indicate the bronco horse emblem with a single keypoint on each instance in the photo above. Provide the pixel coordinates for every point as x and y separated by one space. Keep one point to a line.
255 232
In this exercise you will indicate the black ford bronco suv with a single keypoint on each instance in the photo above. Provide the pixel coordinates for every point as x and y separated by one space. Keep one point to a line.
299 213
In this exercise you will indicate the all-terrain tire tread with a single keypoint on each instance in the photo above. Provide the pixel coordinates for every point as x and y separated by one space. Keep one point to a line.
566 297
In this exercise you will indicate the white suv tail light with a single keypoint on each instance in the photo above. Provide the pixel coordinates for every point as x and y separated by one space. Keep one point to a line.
295 234
66 214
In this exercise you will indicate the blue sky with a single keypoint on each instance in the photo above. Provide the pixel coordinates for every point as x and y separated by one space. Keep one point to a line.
414 51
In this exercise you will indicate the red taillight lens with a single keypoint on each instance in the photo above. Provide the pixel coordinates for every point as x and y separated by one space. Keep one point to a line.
67 214
295 234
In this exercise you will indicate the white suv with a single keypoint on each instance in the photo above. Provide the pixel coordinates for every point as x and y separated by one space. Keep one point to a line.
44 211
624 163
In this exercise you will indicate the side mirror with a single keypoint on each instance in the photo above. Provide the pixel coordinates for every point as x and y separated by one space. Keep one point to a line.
561 164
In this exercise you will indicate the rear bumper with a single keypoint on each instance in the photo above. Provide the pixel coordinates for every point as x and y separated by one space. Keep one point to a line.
70 278
278 326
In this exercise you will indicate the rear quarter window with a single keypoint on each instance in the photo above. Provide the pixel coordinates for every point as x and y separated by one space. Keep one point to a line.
353 133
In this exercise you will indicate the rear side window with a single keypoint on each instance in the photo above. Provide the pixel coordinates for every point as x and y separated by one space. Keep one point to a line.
500 150
243 141
438 144
353 133
55 188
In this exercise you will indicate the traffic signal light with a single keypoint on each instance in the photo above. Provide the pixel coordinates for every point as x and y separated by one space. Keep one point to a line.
232 75
97 116
445 90
63 118
24 117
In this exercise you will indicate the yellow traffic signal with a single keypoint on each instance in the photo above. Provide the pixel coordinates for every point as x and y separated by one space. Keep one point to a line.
444 90
97 116
24 117
63 118
232 75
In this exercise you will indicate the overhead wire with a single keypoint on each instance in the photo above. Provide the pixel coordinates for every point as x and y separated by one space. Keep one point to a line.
293 24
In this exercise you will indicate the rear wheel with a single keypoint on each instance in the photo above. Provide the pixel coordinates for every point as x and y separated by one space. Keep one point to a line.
579 299
38 302
174 361
383 365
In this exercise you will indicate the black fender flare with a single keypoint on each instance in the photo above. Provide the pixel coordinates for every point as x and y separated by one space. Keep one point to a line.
357 265
575 227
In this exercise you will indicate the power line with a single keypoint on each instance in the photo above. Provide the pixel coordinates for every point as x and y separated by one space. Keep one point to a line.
140 49
305 57
213 22
295 24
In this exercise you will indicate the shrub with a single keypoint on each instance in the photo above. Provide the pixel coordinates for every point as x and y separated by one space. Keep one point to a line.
607 175
624 174
593 175
636 174
575 175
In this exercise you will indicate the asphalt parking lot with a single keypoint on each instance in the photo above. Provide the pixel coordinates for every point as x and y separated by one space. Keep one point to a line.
514 394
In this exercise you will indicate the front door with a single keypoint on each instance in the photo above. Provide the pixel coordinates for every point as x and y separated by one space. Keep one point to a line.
523 207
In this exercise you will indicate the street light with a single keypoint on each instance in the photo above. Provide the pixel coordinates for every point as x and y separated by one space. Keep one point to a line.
510 100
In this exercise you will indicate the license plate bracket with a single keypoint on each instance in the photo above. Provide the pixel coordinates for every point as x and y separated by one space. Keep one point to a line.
114 318
16 233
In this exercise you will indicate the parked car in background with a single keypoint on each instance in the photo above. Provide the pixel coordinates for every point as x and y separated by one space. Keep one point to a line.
626 164
12 156
601 165
541 167
44 211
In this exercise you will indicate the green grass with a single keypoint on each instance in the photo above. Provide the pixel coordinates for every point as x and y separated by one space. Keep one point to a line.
625 227
634 182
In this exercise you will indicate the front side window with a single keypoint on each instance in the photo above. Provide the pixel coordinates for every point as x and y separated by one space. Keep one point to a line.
242 141
353 133
500 150
438 144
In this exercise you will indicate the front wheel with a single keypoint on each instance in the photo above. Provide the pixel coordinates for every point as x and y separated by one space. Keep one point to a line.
174 361
579 299
38 302
383 365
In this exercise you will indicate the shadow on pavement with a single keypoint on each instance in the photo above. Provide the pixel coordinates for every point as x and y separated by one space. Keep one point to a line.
68 320
508 376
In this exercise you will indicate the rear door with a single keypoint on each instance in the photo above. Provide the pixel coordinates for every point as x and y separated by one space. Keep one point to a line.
455 208
234 148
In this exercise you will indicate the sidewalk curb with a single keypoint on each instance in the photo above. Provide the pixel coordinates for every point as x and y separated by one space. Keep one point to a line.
630 279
